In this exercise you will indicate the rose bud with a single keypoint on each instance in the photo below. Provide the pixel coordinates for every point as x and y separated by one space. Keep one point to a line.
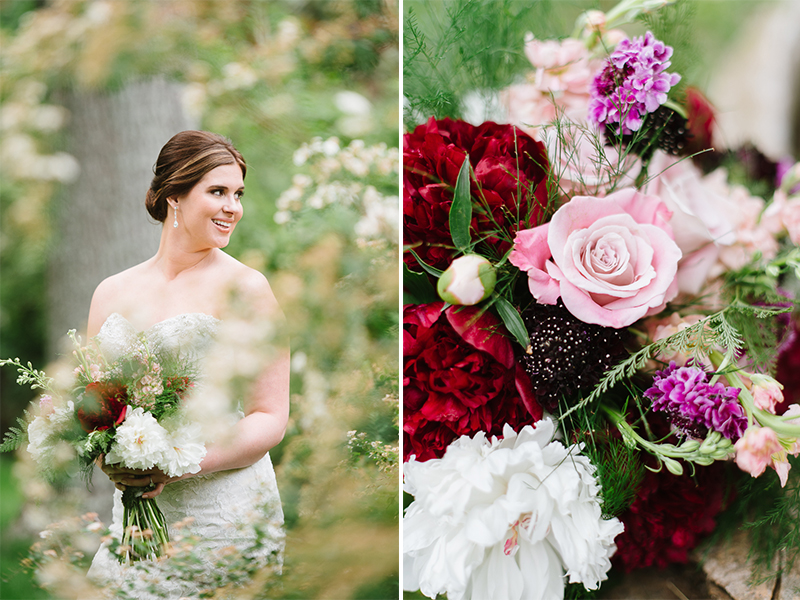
766 392
468 280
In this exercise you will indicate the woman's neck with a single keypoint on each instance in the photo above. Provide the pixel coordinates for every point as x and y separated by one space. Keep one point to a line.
173 258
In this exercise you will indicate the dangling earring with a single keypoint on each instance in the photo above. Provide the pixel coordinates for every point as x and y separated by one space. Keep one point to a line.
175 222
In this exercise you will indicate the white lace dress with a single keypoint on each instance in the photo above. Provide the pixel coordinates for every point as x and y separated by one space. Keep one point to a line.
235 514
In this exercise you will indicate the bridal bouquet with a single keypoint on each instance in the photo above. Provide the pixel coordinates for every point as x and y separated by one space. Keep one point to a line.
125 412
597 327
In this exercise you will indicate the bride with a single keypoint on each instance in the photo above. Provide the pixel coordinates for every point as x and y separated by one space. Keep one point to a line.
177 301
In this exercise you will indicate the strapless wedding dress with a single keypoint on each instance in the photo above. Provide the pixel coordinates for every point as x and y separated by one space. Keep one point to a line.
230 510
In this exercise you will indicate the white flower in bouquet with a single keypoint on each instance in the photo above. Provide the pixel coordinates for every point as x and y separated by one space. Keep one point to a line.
505 519
39 431
140 442
184 453
42 429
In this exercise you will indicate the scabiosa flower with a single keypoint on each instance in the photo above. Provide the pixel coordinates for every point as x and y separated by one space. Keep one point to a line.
566 356
695 406
505 518
632 84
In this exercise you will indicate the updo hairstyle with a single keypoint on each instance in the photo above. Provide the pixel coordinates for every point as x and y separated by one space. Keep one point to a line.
183 161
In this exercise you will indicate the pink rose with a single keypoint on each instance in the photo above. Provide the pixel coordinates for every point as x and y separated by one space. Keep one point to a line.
718 226
611 260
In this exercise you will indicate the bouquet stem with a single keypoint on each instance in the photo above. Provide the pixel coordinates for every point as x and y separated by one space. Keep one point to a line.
144 535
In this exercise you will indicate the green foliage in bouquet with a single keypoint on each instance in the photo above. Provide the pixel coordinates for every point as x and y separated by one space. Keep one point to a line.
453 49
619 466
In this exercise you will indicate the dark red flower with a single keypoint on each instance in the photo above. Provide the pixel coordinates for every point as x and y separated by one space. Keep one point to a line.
459 377
103 405
670 516
700 117
788 372
510 175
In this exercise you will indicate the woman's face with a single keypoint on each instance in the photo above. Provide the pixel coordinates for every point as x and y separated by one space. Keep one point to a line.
208 213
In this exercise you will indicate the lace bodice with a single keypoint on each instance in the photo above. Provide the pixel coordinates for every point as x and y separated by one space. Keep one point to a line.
188 336
227 508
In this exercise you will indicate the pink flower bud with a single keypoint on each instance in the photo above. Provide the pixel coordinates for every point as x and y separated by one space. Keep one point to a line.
45 405
467 281
758 449
766 392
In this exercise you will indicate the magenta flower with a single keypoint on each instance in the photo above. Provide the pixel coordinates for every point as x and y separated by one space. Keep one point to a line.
695 406
632 84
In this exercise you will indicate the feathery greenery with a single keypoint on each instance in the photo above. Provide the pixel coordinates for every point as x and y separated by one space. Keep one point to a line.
460 48
16 436
674 25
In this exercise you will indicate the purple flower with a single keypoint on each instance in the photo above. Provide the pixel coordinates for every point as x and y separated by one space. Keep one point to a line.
693 405
632 84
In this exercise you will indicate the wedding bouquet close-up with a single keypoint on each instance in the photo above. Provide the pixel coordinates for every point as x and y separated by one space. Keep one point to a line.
125 410
599 336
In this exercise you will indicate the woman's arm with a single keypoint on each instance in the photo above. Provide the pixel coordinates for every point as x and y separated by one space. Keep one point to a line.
102 300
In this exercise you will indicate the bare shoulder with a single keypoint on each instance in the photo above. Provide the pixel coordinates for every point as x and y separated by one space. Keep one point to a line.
252 288
109 297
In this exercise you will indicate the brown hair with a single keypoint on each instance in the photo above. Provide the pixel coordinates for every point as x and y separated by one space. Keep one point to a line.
183 161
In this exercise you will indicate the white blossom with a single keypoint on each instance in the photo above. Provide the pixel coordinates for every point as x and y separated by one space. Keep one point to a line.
505 519
39 431
184 453
140 442
43 429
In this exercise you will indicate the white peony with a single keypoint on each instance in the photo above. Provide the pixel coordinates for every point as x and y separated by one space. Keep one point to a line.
184 453
505 519
140 442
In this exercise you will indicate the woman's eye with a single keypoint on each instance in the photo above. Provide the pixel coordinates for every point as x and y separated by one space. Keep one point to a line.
217 192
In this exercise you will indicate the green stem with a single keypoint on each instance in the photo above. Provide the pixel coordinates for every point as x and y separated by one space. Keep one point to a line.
764 418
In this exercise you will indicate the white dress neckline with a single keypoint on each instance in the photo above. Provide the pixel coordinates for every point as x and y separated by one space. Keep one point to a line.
116 316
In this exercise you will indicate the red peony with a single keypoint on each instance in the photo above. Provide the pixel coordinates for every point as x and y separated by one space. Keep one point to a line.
511 172
460 376
788 372
103 406
670 515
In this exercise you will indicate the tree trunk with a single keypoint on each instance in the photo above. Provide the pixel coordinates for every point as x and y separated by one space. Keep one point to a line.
101 224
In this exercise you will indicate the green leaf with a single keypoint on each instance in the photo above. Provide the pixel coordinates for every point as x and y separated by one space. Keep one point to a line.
461 209
512 320
432 270
417 288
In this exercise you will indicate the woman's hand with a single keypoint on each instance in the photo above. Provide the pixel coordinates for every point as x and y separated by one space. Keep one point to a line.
124 477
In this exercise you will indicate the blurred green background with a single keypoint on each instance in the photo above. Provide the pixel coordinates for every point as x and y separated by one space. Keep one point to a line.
271 75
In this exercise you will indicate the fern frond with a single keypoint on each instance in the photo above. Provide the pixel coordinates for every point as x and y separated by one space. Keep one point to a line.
16 436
